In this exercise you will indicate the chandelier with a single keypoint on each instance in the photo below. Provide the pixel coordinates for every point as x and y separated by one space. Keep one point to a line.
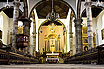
52 16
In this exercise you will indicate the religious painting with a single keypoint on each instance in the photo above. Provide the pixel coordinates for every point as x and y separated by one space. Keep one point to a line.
102 32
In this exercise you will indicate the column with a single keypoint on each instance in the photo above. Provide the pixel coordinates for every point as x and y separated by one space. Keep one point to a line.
26 31
89 23
15 21
25 7
71 35
26 23
26 28
34 34
78 34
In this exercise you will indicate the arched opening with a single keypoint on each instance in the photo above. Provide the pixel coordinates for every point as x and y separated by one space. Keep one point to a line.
52 39
40 25
6 18
97 13
59 7
49 29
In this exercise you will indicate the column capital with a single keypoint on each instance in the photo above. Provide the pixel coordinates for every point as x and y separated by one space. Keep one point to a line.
70 32
70 35
27 22
17 3
34 34
88 4
78 22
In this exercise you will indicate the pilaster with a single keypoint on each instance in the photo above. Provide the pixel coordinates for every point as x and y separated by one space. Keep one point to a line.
34 34
71 34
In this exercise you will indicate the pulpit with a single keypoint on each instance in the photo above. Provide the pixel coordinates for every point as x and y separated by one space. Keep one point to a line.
22 41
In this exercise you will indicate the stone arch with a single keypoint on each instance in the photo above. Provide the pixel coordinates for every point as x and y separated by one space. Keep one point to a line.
67 3
84 10
48 20
62 1
8 27
11 7
52 34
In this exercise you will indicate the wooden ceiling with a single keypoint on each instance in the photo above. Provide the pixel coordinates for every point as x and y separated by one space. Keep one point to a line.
46 7
59 7
95 0
9 0
43 0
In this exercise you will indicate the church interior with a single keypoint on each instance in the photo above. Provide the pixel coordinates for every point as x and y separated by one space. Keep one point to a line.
51 31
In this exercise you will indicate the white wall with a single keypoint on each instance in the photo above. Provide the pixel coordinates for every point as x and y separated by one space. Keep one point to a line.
74 37
6 28
1 22
100 26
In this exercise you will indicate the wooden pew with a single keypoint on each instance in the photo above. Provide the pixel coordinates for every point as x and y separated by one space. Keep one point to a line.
11 57
3 57
94 55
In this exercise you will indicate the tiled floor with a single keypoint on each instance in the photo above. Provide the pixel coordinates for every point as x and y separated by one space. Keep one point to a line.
52 66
